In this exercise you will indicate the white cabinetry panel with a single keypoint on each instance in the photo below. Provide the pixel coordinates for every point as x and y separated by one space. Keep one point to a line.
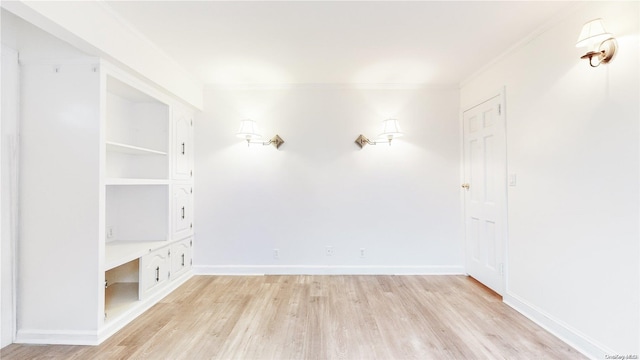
183 144
182 210
181 258
60 198
154 271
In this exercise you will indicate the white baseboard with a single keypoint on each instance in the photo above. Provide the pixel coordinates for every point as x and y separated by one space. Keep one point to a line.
558 328
57 337
326 270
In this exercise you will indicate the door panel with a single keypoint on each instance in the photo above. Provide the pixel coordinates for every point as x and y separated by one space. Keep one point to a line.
180 258
183 144
485 197
154 271
183 211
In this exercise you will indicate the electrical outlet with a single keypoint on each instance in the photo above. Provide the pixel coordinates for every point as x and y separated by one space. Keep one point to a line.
276 253
328 251
362 253
109 232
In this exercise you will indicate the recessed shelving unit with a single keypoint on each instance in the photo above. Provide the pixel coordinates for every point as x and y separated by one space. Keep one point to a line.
137 133
137 191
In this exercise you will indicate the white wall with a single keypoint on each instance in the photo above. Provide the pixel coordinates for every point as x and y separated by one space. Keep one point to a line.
572 134
400 203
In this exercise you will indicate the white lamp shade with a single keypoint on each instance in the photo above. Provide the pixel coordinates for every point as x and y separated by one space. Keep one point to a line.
248 130
390 129
592 33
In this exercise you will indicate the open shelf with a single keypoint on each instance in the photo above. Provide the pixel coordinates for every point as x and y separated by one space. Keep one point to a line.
131 150
127 181
119 298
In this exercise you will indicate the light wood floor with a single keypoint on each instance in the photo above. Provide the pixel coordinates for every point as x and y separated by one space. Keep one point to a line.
322 317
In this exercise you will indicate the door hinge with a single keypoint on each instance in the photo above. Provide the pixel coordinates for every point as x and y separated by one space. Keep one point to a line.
499 109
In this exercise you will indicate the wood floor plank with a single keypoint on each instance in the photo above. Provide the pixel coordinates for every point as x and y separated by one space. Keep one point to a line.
321 317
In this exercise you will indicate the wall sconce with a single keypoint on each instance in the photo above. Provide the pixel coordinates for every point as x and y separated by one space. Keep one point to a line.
249 131
390 130
601 44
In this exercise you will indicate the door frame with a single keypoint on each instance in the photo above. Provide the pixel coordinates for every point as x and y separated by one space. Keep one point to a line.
486 96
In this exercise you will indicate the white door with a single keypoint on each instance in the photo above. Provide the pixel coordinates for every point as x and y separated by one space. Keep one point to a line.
485 191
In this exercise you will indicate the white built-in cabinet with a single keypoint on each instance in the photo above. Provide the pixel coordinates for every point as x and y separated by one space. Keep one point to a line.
106 199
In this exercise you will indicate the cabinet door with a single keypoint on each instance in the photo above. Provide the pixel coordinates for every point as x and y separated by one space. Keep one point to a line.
154 271
183 144
180 258
182 211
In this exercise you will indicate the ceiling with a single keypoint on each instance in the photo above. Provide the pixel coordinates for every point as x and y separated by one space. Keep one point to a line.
320 42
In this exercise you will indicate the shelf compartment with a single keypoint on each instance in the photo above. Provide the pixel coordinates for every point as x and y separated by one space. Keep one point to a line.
131 149
137 213
122 289
119 298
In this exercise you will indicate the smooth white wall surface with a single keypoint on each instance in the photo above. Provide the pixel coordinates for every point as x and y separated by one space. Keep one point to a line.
400 203
572 134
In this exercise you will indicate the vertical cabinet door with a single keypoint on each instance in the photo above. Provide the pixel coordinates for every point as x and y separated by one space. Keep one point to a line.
155 271
180 258
182 211
183 144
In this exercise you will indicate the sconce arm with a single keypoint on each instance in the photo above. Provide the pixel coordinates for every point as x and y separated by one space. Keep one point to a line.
363 140
275 141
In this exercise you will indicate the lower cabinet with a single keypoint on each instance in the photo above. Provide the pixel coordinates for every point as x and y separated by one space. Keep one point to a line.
135 285
155 270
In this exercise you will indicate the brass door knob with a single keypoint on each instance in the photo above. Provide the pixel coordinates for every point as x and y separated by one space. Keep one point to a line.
465 186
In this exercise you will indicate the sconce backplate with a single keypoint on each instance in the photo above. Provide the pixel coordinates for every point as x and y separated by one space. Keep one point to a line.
608 48
277 141
362 141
